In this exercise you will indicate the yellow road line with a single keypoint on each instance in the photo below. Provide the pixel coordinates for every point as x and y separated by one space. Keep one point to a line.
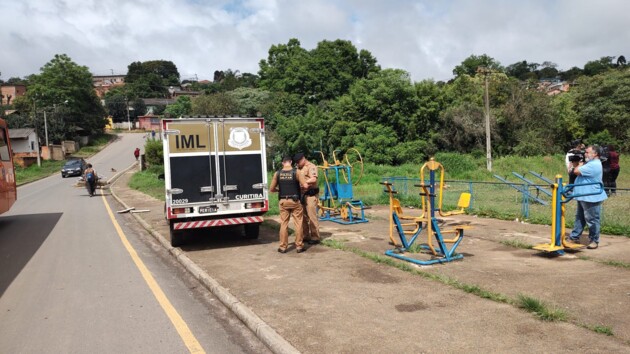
182 328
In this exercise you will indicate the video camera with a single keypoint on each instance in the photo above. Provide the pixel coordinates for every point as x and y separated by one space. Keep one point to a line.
576 155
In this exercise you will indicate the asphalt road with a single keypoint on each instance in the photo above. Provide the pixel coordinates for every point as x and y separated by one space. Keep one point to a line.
76 277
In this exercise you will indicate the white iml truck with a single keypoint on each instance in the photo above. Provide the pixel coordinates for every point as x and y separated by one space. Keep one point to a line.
214 174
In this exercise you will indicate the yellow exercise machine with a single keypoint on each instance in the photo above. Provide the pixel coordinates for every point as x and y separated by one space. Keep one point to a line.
562 194
430 211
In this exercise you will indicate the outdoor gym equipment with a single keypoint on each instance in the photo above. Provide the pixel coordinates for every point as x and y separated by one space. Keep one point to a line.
396 208
430 211
562 194
338 203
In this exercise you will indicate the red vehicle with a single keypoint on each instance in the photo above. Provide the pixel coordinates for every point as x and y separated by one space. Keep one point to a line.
8 189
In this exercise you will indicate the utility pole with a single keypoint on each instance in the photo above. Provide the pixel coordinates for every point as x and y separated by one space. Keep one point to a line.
46 128
39 157
128 120
485 71
488 144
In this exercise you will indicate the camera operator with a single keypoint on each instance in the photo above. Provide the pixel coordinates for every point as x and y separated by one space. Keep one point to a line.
573 158
589 206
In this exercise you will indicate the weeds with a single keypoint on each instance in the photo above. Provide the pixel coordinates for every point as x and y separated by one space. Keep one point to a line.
540 309
147 182
608 262
603 330
517 244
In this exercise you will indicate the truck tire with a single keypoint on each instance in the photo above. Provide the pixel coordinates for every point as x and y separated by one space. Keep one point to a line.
177 237
252 231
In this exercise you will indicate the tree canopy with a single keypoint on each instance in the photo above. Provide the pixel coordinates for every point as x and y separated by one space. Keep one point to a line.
64 90
151 79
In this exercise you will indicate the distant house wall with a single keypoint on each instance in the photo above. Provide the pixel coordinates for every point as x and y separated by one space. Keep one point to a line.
11 92
149 123
23 141
104 83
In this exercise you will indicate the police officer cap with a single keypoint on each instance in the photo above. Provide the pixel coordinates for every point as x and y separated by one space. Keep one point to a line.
297 157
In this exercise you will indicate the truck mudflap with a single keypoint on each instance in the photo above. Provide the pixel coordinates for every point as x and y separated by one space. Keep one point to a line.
199 224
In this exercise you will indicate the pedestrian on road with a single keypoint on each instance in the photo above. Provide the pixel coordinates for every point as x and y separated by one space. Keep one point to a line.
288 182
91 178
589 206
153 134
310 199
136 153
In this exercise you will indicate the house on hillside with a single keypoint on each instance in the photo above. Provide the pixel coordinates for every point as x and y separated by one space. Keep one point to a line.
149 122
104 83
25 146
553 87
10 92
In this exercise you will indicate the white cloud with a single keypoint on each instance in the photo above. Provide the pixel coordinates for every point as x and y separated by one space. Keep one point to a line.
426 38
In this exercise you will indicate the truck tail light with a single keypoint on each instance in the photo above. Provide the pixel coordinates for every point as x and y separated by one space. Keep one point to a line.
255 205
176 211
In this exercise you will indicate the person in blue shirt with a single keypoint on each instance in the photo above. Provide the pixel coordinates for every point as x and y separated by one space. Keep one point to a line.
589 207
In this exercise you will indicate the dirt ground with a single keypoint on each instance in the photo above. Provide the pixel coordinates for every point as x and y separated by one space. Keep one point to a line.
329 300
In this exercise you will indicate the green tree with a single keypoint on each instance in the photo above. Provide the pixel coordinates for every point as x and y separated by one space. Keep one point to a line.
548 70
571 74
470 65
595 67
282 71
61 81
388 98
151 79
116 105
182 107
251 101
323 73
217 104
522 70
139 107
601 103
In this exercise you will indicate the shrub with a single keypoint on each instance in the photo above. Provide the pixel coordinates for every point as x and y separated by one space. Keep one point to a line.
153 153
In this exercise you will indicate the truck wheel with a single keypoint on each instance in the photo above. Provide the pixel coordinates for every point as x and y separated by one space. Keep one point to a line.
252 231
177 237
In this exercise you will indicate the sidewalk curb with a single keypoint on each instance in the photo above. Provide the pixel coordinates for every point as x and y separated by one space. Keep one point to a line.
263 331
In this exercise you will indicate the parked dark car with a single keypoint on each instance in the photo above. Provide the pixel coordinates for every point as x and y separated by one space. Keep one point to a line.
73 167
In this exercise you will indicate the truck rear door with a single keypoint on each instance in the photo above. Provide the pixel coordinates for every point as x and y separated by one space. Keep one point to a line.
216 160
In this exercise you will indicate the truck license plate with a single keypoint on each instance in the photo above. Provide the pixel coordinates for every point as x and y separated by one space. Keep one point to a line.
207 209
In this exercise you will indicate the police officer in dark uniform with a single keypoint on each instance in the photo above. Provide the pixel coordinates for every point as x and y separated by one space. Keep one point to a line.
288 182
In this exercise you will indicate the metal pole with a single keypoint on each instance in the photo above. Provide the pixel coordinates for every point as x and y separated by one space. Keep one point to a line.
128 121
488 144
39 159
46 128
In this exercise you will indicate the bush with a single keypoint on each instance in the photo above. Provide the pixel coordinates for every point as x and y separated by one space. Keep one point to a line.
153 152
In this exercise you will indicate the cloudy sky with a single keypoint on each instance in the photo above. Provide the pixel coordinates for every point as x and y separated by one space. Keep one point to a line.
427 38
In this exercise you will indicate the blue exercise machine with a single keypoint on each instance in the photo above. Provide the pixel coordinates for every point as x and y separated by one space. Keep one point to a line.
338 203
441 253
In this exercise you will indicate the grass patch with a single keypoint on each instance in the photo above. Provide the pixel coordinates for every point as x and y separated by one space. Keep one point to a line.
608 262
50 167
147 182
603 330
97 143
406 267
34 172
540 309
517 244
